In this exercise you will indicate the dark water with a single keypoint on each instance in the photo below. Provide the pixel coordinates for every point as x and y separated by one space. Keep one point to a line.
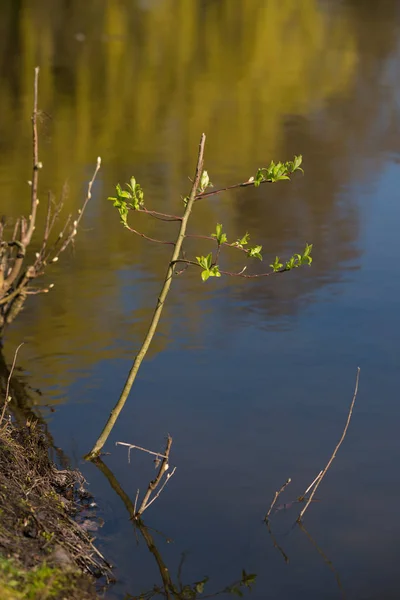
253 379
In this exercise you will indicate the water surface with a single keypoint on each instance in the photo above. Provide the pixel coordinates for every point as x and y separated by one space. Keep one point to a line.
253 379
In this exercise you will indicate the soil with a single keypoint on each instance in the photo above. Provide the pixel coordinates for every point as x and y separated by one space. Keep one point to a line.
45 549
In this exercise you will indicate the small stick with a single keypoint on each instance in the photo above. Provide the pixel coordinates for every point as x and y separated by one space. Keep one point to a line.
311 484
26 238
132 447
277 494
156 482
7 399
136 499
161 488
321 476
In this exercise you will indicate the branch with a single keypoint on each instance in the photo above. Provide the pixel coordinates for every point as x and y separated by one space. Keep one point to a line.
7 398
133 446
321 476
158 215
157 312
277 494
36 164
154 484
146 237
239 274
225 189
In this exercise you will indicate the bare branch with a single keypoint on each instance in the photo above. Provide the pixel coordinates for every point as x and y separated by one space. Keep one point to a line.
156 482
133 446
277 494
146 237
36 164
7 398
321 476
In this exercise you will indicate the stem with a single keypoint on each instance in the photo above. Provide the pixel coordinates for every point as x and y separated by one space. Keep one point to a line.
36 165
276 496
321 476
157 313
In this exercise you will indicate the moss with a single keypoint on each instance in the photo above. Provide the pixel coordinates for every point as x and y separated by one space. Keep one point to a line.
42 583
44 553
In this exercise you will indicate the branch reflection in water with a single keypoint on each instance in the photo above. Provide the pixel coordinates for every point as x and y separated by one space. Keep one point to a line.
169 589
287 506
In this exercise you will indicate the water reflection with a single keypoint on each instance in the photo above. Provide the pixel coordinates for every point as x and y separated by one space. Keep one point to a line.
170 588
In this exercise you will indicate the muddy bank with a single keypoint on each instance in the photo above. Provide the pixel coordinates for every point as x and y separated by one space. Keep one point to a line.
44 551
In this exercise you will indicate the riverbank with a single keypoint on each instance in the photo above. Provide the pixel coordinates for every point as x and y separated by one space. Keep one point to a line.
44 551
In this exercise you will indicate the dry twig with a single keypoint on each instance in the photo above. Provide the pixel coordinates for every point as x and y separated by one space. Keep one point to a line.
156 482
277 494
133 446
7 398
322 475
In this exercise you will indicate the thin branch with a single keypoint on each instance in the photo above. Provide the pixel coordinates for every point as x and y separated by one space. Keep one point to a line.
239 274
255 276
133 446
75 224
277 494
159 215
275 542
153 484
161 488
225 189
311 486
146 237
35 166
7 398
16 268
136 499
320 478
17 222
212 239
324 557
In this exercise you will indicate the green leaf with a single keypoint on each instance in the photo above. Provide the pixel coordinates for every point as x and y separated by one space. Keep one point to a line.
255 252
204 182
220 237
205 274
199 585
242 241
276 265
296 163
249 579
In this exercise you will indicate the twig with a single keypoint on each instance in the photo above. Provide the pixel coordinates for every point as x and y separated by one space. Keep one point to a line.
324 557
154 484
161 488
36 164
311 485
225 189
275 542
133 446
158 215
136 499
277 494
146 237
320 477
7 399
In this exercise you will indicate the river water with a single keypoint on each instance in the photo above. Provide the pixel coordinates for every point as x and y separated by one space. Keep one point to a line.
252 378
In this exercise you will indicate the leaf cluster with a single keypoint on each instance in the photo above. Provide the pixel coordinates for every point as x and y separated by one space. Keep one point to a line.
130 199
297 260
209 270
279 171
